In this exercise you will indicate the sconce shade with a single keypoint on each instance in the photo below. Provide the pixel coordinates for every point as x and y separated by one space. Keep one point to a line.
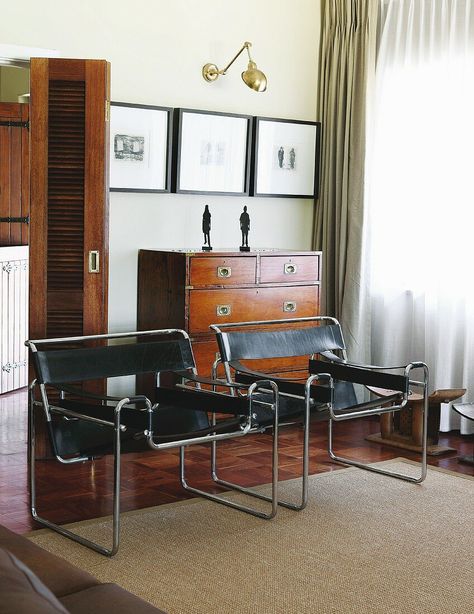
254 78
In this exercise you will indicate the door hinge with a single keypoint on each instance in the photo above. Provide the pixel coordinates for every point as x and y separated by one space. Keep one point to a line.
16 220
12 124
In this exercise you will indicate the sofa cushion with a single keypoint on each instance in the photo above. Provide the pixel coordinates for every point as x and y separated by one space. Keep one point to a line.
22 591
106 598
57 574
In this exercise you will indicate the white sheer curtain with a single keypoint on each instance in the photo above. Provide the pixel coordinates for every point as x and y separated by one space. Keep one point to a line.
420 203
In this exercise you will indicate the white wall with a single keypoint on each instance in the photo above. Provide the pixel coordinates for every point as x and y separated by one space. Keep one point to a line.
157 49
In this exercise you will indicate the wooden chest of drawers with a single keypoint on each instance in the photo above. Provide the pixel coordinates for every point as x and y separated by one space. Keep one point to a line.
191 290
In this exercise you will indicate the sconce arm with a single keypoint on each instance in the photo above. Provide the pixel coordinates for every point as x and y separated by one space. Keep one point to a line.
246 45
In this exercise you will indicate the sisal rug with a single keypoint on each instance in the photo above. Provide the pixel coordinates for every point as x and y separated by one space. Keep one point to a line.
365 544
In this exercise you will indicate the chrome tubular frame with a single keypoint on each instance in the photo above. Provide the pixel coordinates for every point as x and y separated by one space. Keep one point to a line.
115 425
306 419
305 470
273 499
334 417
116 492
424 466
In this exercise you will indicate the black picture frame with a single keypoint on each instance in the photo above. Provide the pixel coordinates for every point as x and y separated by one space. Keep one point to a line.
155 176
212 152
276 170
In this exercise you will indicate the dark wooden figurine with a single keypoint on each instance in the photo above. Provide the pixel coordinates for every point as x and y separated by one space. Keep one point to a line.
245 227
206 229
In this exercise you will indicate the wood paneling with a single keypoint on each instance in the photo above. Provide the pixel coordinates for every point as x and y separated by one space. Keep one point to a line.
65 223
288 269
96 194
249 304
69 199
69 205
14 172
224 271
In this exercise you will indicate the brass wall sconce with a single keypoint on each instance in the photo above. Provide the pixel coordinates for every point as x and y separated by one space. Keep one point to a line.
254 78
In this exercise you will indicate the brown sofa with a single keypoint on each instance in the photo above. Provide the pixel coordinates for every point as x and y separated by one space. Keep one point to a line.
77 591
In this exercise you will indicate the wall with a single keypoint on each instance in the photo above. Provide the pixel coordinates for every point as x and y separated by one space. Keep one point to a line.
13 83
157 50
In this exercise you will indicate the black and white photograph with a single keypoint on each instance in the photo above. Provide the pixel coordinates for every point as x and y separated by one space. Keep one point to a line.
286 160
140 146
127 147
284 157
213 152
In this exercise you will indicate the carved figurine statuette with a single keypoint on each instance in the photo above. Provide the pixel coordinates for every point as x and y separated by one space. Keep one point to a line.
206 229
244 228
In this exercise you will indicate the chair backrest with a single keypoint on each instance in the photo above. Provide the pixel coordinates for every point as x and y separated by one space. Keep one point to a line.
74 364
279 343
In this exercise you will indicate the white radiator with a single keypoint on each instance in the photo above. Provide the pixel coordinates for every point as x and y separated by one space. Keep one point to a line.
13 317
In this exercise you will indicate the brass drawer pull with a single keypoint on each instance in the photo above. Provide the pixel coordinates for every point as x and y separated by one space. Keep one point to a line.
224 310
289 306
224 271
94 266
290 268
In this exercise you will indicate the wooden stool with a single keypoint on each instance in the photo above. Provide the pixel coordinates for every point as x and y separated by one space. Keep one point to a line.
404 429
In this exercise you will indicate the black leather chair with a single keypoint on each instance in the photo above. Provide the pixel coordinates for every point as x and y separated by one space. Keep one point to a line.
82 425
327 392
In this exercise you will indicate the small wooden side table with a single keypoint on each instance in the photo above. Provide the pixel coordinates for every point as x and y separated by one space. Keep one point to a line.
404 429
466 410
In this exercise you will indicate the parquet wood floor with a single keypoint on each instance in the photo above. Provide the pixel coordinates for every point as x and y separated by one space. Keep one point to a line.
79 492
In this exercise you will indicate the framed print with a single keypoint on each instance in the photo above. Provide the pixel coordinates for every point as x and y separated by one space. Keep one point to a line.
140 148
286 158
213 151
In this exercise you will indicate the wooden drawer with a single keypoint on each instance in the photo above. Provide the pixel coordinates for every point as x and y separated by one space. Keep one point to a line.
222 271
289 269
242 305
205 354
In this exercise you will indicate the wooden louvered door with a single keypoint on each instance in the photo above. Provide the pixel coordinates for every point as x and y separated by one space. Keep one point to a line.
69 197
69 102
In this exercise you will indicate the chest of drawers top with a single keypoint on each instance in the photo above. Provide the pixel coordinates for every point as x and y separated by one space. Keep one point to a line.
223 268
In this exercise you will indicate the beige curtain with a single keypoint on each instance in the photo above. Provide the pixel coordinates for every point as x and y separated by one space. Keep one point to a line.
346 69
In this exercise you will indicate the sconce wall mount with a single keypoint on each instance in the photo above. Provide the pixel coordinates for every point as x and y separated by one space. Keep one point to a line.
252 77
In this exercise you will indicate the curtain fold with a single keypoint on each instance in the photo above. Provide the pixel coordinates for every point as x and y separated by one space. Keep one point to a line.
347 66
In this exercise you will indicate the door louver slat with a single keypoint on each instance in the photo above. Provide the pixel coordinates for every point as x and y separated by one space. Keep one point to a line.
66 163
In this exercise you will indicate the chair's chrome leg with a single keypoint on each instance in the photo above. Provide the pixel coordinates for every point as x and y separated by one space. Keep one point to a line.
393 474
424 444
217 498
243 508
55 527
250 491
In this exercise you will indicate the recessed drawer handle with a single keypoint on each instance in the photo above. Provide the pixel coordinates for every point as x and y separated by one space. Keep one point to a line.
289 306
224 271
290 268
224 310
94 266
